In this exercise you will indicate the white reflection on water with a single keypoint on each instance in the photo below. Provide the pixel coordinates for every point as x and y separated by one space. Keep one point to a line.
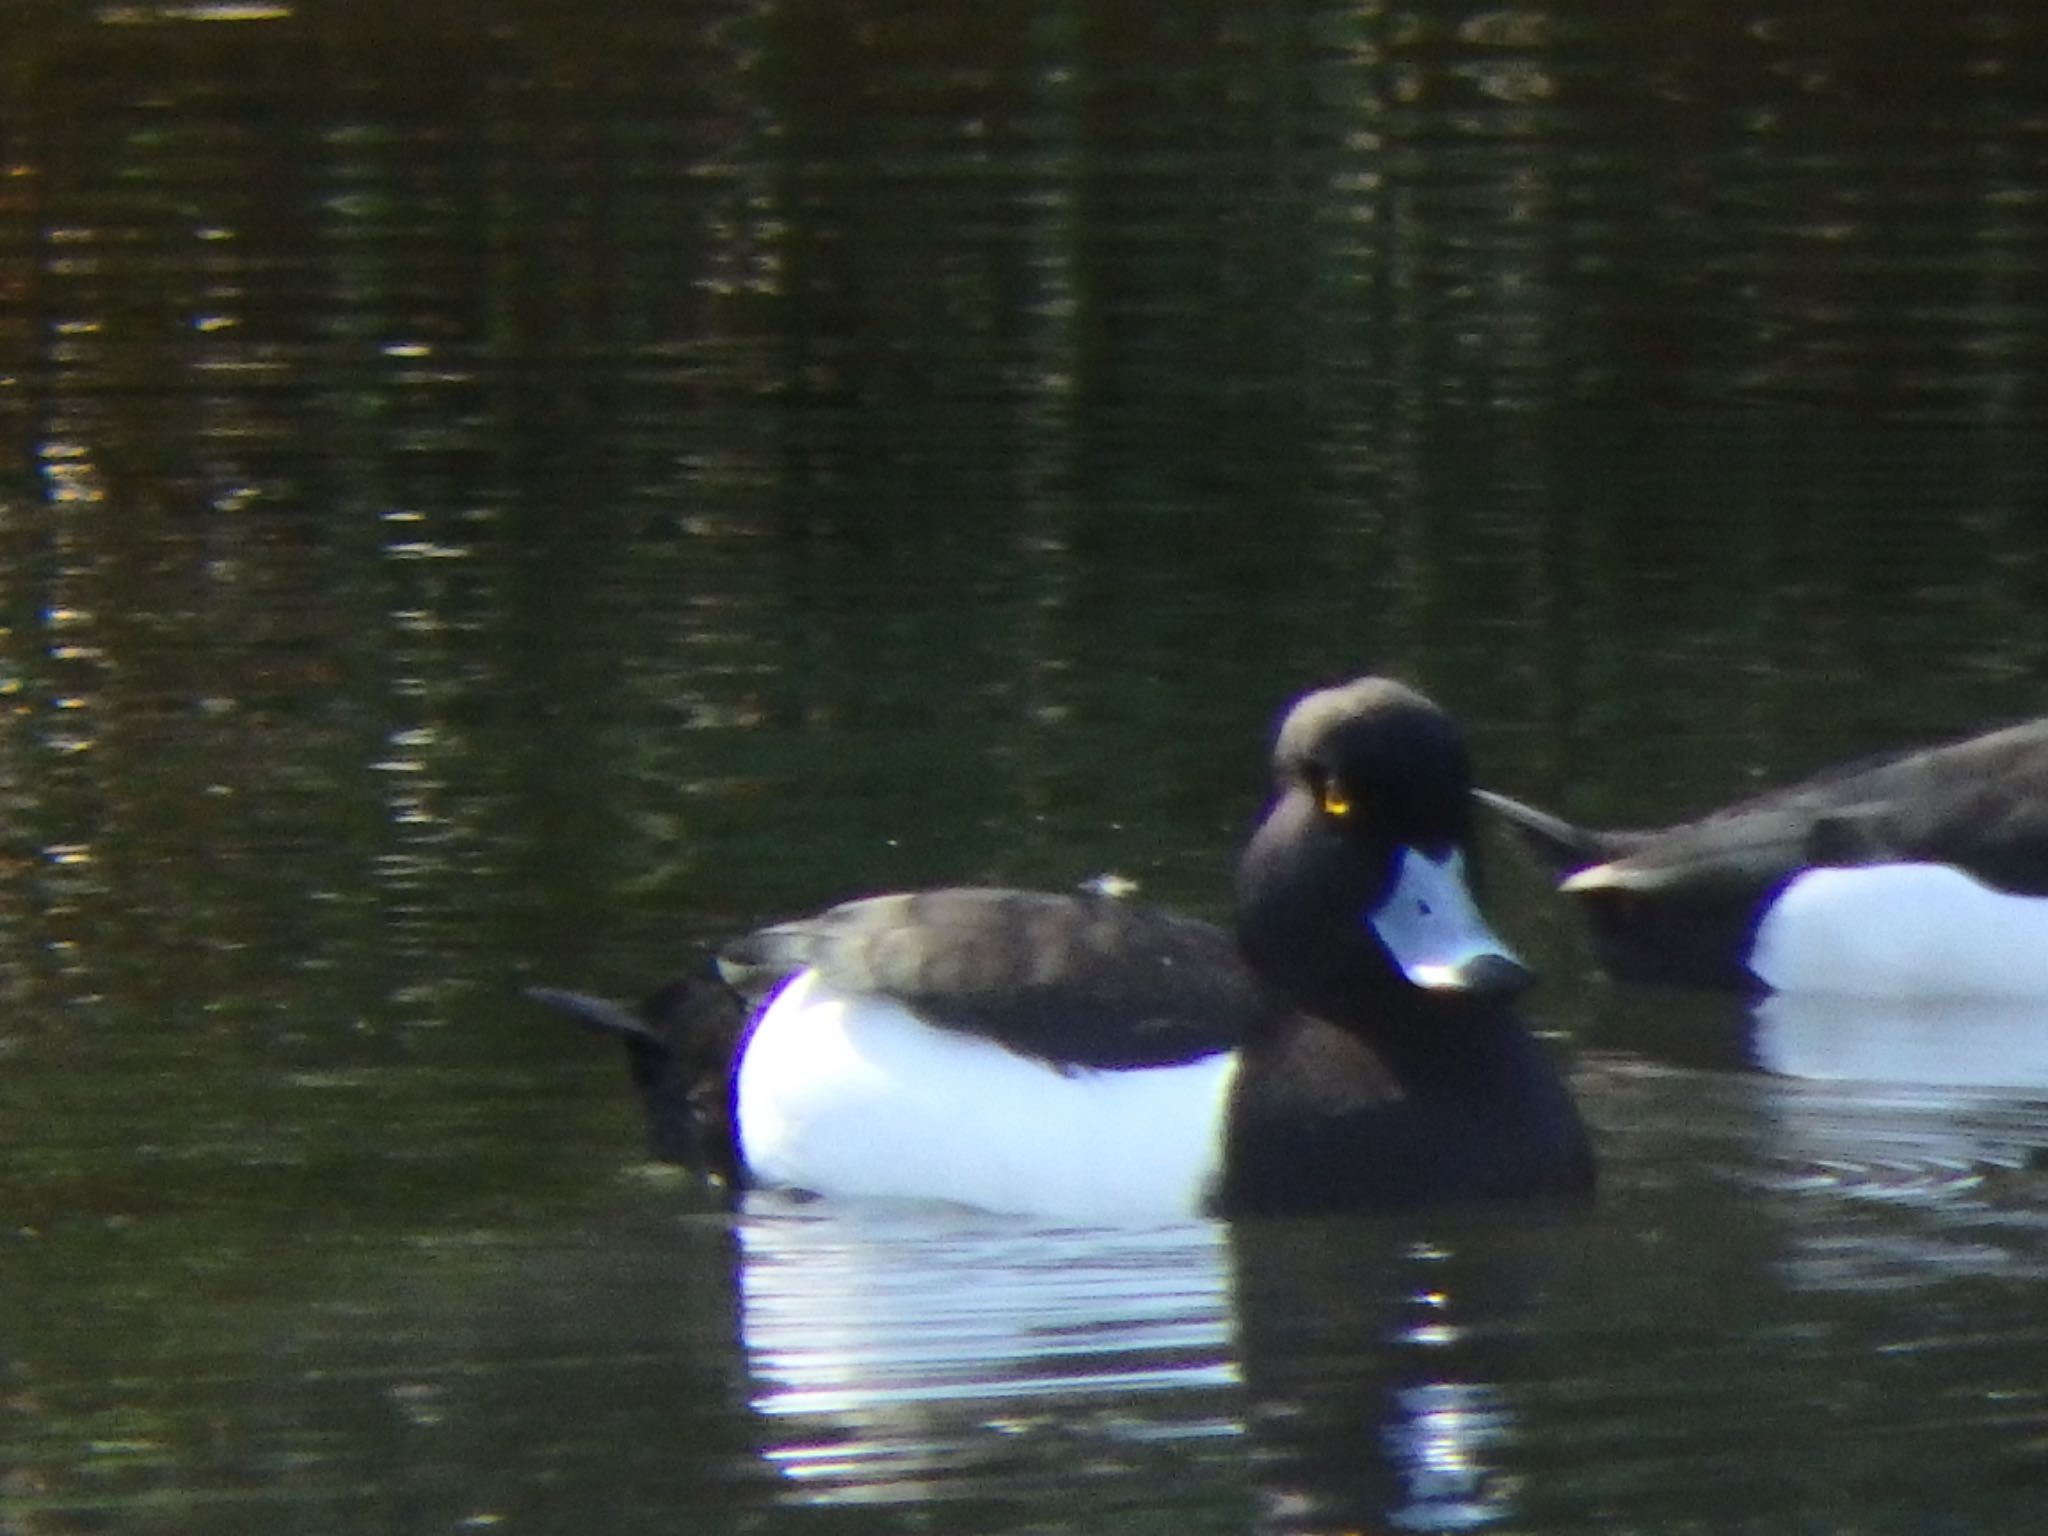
1440 1440
1933 1043
905 1353
890 1342
1938 1108
1906 1099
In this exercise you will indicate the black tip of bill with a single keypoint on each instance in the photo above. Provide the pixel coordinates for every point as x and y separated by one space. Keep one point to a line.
1485 975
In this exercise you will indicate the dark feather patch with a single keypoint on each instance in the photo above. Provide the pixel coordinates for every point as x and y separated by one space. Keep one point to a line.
1078 981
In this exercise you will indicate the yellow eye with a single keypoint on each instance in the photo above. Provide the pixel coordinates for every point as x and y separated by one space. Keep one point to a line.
1330 797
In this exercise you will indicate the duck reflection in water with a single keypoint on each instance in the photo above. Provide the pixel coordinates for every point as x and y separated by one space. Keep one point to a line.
1937 1109
1320 1374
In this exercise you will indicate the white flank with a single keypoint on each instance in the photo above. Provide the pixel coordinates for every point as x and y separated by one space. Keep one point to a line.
1902 930
851 1096
1429 922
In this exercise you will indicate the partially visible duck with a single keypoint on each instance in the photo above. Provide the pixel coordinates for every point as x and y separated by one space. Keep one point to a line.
1083 1056
1923 875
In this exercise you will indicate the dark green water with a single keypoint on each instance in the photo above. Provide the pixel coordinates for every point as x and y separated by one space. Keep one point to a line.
502 492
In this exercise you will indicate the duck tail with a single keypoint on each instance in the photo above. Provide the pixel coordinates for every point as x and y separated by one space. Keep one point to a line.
679 1044
1563 847
597 1013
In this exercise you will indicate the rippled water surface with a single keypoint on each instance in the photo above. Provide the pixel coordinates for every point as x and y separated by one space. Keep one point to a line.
506 493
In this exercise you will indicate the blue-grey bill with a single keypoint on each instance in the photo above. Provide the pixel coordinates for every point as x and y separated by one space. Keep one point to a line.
1433 929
